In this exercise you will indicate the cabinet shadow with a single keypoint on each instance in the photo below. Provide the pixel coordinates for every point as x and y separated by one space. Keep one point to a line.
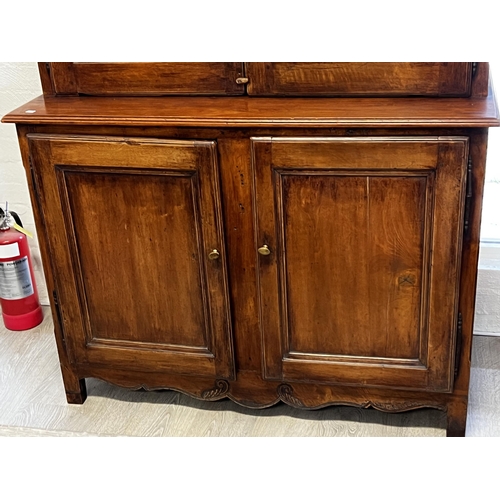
419 418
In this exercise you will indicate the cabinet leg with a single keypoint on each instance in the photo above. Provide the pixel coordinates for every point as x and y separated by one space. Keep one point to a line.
457 419
76 389
79 397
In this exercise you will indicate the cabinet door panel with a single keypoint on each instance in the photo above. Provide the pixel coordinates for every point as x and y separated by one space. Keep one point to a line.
379 246
134 222
157 268
365 245
337 78
111 78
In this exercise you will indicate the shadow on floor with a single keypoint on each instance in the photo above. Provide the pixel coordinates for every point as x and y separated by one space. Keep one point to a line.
423 418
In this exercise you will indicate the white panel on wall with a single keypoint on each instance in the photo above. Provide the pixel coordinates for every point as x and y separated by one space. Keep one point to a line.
19 82
487 320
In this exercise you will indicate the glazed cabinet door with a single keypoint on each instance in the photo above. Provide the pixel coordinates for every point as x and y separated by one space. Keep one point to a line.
135 232
359 248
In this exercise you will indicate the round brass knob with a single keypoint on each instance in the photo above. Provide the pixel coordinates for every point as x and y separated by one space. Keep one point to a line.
214 254
264 250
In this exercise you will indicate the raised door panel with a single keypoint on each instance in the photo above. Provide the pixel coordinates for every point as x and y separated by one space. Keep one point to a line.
336 78
160 78
133 225
361 285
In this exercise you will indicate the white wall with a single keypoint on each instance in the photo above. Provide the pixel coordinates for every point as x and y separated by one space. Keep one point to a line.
19 82
487 320
490 224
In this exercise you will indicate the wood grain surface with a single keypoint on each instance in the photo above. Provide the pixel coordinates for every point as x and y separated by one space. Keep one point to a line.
147 78
398 322
260 112
384 310
133 211
341 78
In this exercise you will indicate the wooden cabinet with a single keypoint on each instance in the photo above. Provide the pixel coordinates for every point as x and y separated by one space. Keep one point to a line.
314 251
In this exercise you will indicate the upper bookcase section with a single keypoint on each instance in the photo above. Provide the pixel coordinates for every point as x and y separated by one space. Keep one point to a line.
434 79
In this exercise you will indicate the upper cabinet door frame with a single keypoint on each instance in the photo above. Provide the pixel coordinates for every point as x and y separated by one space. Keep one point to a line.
160 269
363 79
417 252
159 78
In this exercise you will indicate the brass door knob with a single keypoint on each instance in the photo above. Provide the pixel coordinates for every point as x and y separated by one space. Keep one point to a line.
214 254
264 250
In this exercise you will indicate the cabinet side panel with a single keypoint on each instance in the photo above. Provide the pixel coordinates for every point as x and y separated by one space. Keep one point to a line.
45 79
480 80
470 256
70 376
63 78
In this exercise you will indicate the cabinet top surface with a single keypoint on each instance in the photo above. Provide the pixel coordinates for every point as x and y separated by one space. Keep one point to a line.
259 112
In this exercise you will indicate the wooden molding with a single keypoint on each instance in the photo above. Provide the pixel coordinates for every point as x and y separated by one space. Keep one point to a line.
285 393
219 391
244 111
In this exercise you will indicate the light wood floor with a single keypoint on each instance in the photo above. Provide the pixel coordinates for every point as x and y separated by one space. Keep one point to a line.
33 403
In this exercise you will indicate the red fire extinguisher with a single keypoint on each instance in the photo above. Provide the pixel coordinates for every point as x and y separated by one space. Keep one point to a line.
18 294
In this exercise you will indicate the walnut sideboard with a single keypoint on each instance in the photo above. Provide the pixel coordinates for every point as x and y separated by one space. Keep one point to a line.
297 232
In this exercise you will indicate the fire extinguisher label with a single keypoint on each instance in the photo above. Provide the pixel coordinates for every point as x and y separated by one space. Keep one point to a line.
9 251
15 280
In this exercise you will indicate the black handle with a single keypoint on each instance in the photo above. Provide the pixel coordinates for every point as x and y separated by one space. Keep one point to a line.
14 214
